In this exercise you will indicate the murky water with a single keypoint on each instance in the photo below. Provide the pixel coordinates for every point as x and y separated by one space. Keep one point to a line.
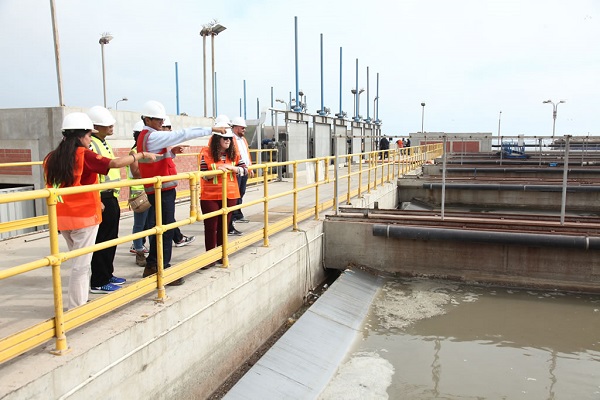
438 340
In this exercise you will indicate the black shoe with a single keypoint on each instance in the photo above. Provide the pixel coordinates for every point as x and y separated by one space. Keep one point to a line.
176 282
149 270
242 220
234 232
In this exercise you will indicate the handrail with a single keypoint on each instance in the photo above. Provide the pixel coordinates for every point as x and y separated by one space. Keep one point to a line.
62 322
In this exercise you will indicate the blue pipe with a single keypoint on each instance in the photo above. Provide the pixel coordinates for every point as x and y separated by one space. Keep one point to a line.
244 99
341 114
377 110
368 118
177 87
322 110
356 96
297 108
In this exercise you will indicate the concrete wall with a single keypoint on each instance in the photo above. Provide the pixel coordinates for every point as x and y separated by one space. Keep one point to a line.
186 347
548 267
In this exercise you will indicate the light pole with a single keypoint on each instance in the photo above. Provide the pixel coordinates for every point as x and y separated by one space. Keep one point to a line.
284 102
375 101
554 108
422 117
117 103
499 119
211 29
105 39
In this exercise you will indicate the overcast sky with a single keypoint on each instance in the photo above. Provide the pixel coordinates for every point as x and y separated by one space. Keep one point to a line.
466 59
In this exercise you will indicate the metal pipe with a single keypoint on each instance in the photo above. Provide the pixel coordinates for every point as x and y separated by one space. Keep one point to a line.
57 54
444 155
297 108
176 87
522 188
563 201
341 112
245 99
483 236
212 49
322 110
204 64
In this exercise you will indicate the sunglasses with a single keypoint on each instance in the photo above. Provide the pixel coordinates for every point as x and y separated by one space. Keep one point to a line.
226 138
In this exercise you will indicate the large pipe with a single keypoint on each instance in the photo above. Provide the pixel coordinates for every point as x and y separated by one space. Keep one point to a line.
522 188
481 236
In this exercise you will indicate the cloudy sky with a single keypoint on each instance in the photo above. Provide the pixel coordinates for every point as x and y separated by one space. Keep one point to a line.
466 59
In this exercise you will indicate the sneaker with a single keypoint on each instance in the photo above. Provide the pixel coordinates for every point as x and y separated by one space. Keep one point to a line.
116 281
242 220
234 232
185 241
108 288
132 250
140 259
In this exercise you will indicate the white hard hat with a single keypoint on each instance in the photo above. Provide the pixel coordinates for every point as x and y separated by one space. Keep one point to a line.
78 121
139 126
222 119
167 121
228 132
238 121
154 109
101 116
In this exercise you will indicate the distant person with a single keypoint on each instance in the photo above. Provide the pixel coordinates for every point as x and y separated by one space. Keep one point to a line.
103 280
238 126
179 239
79 215
220 154
400 143
153 138
384 147
407 144
139 219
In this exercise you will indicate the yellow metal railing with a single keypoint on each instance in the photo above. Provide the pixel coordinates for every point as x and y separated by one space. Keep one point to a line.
376 171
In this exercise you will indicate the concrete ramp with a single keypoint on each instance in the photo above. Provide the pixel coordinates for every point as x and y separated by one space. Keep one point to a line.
303 361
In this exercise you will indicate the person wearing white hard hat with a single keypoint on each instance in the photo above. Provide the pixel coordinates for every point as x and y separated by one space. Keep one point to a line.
238 126
154 139
222 155
103 280
139 218
73 164
179 239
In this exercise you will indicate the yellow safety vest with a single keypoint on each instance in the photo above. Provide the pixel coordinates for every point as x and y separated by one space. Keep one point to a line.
104 149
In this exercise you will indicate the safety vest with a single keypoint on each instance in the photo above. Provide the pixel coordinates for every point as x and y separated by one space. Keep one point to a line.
212 187
78 210
162 166
102 147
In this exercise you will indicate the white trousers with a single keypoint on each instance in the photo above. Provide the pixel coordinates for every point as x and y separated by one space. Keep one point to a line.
79 280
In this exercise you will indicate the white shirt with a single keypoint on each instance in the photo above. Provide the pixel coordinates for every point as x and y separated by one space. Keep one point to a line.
243 149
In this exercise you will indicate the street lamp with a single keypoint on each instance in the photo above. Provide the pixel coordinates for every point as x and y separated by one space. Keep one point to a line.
283 102
422 117
105 39
499 119
554 108
375 101
117 103
356 103
211 29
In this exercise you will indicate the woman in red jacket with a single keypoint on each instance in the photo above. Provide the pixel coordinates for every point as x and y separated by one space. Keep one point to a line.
79 214
220 154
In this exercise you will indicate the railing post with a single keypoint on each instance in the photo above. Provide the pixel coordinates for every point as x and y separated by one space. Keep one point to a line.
295 215
224 217
316 189
360 172
266 207
61 346
349 162
161 293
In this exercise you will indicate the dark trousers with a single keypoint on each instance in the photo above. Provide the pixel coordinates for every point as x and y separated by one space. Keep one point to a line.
213 228
168 217
102 260
177 235
238 214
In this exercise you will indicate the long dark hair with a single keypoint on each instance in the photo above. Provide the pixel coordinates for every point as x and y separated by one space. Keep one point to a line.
60 163
231 151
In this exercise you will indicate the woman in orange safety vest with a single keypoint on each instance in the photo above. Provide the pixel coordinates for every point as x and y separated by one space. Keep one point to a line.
220 154
72 163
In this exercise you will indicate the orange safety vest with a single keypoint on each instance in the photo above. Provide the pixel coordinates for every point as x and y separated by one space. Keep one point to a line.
163 166
212 188
79 210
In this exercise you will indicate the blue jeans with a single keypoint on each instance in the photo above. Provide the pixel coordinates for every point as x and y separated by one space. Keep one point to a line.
139 224
168 217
